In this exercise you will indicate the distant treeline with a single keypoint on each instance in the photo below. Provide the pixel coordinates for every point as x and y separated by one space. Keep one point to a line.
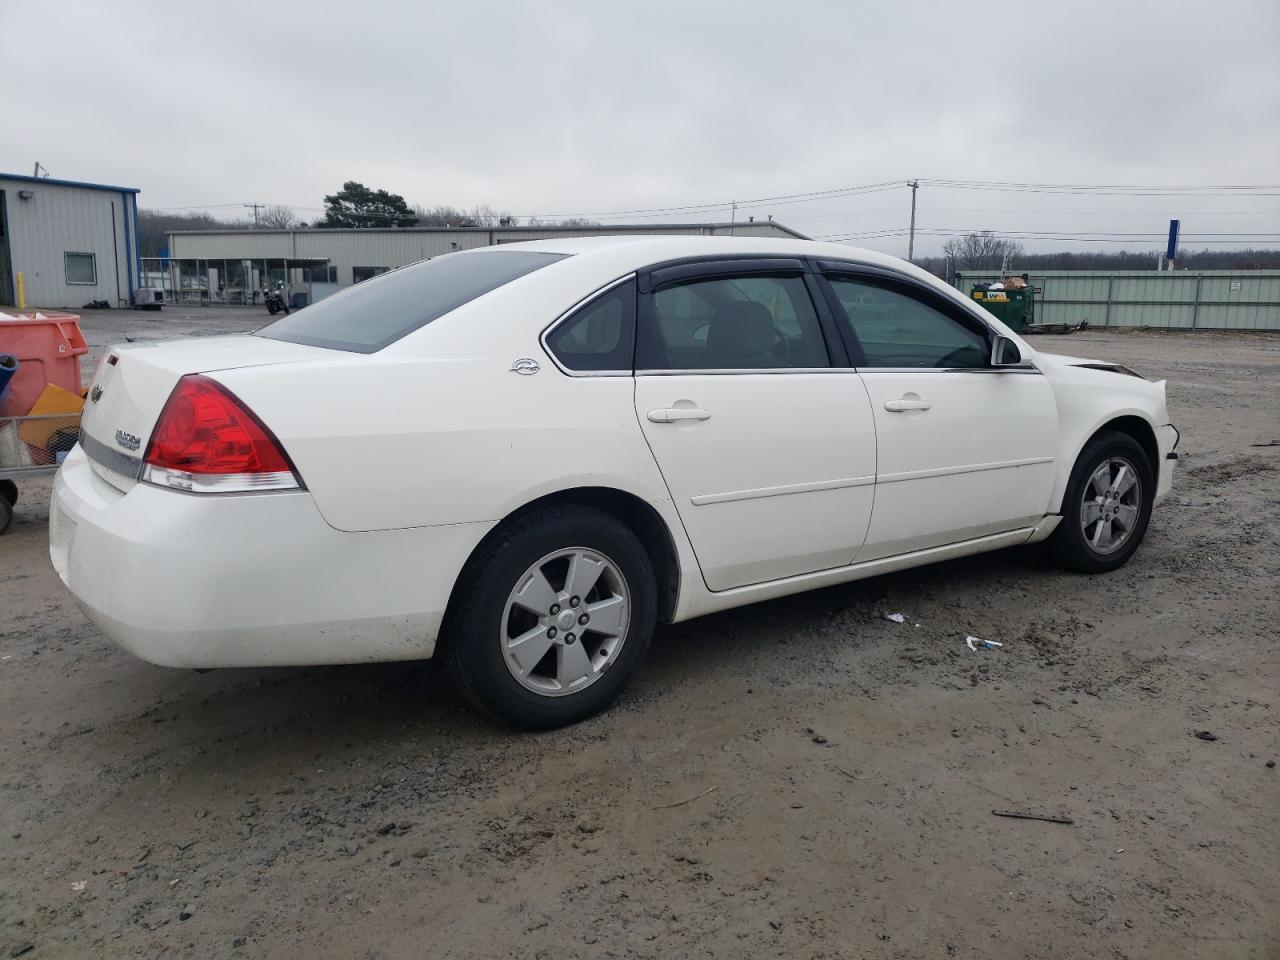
1123 260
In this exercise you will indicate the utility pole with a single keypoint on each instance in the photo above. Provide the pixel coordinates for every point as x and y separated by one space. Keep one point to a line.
39 167
255 207
911 238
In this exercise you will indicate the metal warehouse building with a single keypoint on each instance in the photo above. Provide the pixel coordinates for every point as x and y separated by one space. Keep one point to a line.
232 266
1178 299
65 244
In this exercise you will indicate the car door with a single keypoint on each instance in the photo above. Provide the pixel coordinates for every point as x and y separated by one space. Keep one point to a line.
762 431
965 449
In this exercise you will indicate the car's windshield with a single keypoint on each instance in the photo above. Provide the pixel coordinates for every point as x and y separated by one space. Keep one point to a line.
370 315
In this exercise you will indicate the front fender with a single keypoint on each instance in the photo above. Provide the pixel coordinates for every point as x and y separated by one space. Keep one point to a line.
1088 400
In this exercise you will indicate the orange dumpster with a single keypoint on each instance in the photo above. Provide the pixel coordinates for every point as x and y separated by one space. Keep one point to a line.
48 347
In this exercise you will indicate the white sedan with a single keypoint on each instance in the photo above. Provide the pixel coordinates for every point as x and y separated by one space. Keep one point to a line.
522 458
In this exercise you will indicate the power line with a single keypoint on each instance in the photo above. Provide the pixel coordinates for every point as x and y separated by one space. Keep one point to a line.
1207 238
1015 185
646 212
1105 190
643 213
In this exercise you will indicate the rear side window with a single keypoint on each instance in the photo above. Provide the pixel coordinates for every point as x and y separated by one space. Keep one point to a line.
732 323
381 310
600 336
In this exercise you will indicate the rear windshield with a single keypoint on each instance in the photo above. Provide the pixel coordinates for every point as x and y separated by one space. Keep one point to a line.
370 315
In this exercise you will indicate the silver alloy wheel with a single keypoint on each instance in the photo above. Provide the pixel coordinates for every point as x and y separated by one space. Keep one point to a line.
1110 505
565 621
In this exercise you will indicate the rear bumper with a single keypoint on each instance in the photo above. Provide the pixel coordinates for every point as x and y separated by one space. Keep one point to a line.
186 580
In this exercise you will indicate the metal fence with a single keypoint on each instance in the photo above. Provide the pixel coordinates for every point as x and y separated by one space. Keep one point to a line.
232 282
1178 300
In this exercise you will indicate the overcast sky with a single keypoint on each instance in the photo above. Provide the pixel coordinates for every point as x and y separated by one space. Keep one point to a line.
561 108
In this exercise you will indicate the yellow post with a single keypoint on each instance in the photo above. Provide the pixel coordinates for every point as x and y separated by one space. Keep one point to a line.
21 291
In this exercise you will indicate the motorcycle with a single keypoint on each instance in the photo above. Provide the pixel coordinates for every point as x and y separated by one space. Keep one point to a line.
275 301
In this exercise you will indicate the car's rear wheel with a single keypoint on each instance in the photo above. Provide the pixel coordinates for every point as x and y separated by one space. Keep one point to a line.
1107 505
552 618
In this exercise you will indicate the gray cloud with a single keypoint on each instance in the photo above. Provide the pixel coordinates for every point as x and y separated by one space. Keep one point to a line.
560 107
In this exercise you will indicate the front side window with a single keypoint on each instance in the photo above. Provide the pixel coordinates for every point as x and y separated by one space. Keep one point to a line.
898 330
601 335
732 323
369 316
81 267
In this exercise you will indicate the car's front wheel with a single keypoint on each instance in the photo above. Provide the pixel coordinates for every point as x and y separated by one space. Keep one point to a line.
1107 505
552 618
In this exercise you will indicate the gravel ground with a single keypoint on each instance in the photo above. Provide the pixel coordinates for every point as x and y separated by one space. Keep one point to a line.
801 778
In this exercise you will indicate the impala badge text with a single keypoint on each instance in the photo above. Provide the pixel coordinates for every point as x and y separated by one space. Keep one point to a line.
127 440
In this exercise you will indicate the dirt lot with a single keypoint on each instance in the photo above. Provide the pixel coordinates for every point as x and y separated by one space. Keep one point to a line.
803 778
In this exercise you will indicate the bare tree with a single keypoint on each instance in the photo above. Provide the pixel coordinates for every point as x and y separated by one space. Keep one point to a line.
277 218
445 215
441 215
981 251
484 215
155 225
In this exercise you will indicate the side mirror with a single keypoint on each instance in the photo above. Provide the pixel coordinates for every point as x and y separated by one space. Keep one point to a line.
1005 353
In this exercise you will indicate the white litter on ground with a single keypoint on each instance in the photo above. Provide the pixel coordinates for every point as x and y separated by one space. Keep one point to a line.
972 642
895 617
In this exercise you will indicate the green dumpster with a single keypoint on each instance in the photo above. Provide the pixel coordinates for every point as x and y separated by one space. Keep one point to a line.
1012 307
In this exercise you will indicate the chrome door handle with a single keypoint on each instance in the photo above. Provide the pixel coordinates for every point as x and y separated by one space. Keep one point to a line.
903 405
676 414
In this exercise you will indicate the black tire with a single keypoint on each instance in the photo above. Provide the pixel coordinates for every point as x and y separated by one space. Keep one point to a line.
6 514
9 491
272 309
1069 544
471 645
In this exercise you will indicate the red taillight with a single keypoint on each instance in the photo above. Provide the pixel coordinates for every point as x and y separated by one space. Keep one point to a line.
207 441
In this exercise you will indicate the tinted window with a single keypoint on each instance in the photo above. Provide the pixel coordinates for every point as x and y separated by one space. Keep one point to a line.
361 274
732 323
380 311
897 330
601 335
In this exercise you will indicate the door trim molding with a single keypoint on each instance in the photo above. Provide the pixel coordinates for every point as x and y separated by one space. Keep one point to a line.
757 493
952 471
694 605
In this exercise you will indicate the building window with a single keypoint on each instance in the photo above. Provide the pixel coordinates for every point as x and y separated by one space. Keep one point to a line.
360 274
323 274
81 268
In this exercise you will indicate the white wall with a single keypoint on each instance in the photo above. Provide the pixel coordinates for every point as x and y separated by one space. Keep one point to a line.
391 248
60 219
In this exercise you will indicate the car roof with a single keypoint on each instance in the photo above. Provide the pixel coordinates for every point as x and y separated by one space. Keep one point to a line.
589 264
656 248
634 252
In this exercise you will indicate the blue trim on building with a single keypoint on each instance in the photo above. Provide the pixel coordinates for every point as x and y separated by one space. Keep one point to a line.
49 181
137 245
128 245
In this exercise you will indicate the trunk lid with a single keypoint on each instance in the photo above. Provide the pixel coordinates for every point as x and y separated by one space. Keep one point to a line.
129 391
